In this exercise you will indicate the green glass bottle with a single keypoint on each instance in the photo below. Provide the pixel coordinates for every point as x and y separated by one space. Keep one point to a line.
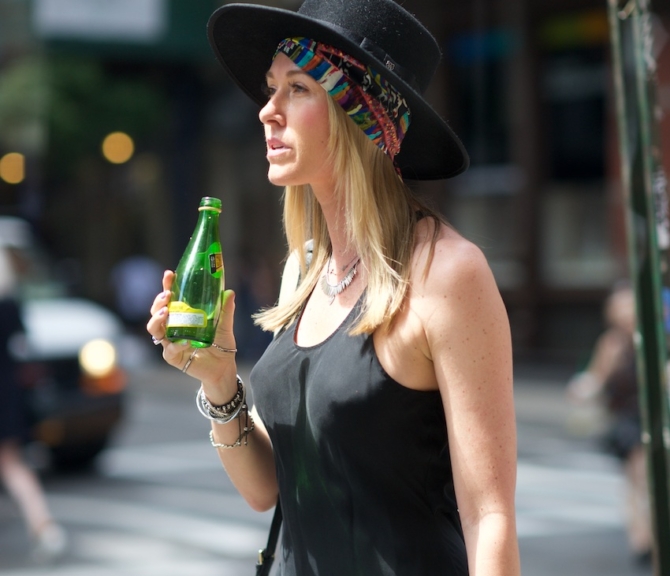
197 290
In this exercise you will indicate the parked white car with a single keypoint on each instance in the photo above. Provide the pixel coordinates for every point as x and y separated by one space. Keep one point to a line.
74 385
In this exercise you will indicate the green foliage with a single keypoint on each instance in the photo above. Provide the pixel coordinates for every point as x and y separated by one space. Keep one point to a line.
86 103
23 97
62 108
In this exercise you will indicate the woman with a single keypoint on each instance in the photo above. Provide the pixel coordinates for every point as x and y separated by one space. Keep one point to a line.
395 336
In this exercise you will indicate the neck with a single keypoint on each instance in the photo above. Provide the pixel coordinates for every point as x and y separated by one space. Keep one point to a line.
343 252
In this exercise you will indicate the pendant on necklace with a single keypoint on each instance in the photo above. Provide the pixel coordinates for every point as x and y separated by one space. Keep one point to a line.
332 290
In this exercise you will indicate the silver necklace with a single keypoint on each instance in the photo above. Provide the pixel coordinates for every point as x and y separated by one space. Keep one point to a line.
332 290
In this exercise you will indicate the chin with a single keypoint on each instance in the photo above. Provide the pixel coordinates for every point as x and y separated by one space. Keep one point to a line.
282 178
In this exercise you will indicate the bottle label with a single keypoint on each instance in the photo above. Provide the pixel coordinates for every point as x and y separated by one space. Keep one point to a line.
215 260
181 315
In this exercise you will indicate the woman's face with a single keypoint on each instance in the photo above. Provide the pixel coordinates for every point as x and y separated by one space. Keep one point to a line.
296 127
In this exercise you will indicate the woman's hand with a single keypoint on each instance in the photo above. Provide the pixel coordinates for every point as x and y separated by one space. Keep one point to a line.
215 368
251 466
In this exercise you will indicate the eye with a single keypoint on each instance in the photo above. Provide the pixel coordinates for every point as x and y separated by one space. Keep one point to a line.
298 87
267 90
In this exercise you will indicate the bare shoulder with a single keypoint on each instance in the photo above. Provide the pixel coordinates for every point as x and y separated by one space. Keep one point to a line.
453 289
453 310
454 265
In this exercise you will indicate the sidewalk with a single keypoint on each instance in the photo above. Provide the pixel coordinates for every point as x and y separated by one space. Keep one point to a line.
540 397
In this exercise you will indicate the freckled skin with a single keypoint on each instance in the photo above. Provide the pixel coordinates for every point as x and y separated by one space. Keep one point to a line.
453 314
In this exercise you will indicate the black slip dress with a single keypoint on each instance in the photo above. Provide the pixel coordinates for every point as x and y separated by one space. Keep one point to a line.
364 473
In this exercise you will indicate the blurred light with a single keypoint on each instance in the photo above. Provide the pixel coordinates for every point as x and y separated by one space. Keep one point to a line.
589 28
13 168
97 358
118 147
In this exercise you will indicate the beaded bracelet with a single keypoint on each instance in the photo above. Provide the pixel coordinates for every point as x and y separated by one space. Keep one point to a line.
249 426
225 409
226 412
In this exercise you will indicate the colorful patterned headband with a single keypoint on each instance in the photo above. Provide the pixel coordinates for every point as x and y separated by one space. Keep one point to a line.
369 100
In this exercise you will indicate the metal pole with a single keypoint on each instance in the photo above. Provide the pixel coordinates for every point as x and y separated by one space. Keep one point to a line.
645 190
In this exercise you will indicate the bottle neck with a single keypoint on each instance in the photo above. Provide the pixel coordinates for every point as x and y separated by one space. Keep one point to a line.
207 225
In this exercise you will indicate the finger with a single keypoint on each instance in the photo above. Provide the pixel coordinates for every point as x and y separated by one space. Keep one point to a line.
160 302
168 278
163 297
156 324
176 354
224 330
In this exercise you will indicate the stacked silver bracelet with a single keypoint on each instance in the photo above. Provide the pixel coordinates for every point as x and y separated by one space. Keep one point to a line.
242 439
226 412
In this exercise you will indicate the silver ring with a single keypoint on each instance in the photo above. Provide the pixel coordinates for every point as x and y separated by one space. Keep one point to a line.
222 349
190 359
156 341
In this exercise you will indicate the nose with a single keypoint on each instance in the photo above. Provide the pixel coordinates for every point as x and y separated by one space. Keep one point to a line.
271 112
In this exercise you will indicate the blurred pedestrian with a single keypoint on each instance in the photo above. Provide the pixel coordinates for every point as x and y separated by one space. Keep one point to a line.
384 414
134 281
48 537
611 379
255 290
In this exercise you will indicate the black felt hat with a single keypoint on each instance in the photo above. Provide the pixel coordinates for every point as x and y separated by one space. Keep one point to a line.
379 33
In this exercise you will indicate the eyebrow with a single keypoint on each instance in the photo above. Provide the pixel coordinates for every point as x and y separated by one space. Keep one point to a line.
296 72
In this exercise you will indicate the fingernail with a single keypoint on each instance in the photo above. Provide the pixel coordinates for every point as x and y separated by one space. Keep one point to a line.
162 311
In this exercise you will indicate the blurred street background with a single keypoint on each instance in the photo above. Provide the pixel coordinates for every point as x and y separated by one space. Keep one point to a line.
115 119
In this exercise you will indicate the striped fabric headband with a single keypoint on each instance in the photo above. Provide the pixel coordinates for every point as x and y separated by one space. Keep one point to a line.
369 100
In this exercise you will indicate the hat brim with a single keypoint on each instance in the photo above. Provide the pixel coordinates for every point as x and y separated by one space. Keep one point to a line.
244 38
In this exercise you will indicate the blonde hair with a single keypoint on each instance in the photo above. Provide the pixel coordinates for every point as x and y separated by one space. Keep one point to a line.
381 216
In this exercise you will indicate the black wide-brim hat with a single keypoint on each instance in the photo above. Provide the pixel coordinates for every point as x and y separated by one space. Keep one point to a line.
378 33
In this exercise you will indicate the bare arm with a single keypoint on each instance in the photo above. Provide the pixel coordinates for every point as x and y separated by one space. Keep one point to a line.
606 358
468 339
250 467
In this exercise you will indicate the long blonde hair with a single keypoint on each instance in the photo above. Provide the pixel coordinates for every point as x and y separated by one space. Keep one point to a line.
381 214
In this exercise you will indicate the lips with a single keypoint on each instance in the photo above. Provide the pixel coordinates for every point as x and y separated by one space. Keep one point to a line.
276 147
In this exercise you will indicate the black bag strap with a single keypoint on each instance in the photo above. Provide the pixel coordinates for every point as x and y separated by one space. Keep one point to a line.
290 279
267 555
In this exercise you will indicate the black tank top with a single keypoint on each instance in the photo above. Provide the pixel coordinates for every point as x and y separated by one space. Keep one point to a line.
363 466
